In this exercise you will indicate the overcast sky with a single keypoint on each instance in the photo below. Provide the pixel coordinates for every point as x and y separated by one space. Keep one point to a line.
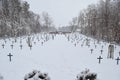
62 11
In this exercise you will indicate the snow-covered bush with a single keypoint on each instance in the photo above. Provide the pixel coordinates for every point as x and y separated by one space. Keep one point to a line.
36 75
87 75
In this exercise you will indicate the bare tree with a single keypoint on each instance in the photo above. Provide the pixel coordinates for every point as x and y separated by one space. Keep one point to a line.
47 20
74 24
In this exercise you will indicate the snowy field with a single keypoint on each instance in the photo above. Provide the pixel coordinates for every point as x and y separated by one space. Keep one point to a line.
62 57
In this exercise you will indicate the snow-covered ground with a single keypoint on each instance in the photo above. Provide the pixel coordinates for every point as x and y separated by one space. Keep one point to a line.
59 58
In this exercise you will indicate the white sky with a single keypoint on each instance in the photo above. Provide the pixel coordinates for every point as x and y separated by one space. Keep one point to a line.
62 11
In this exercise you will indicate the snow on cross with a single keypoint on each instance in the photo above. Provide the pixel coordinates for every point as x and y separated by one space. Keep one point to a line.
101 51
99 59
10 55
117 60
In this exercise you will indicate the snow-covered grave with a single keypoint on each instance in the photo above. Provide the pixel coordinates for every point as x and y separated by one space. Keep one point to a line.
61 56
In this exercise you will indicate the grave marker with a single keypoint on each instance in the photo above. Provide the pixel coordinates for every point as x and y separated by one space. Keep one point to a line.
91 51
10 55
117 60
11 46
3 45
101 51
99 59
21 46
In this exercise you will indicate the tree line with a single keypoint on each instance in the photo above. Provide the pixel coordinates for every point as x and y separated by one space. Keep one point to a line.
16 19
101 21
